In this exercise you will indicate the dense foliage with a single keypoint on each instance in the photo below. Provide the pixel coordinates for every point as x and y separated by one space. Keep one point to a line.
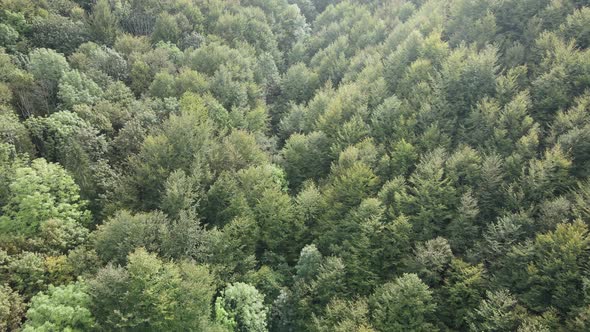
295 165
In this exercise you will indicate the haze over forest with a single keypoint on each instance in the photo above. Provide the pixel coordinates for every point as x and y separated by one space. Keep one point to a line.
295 165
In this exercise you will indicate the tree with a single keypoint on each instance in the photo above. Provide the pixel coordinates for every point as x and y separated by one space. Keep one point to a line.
569 131
507 231
576 27
9 36
464 168
560 62
393 121
189 80
328 284
469 76
499 311
141 77
463 230
299 83
163 85
556 268
182 193
58 136
431 198
239 150
330 63
403 158
280 228
166 29
225 201
489 192
57 32
12 309
305 157
76 88
25 272
14 132
67 139
309 263
318 280
255 180
103 23
349 187
390 246
47 67
254 165
402 305
150 294
431 259
64 308
123 233
181 144
38 193
240 308
475 15
57 236
231 251
547 177
102 64
310 205
341 316
463 289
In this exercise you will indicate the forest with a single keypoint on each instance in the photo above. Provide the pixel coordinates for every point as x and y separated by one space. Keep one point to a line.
295 165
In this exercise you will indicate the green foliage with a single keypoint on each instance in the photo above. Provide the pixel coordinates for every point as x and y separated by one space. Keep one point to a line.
431 198
166 29
576 27
76 88
61 308
123 233
182 194
280 229
102 64
57 32
66 138
349 187
61 235
162 86
11 309
39 193
309 263
15 133
9 36
431 259
344 316
181 144
240 308
462 291
313 165
498 312
404 304
305 157
555 268
239 150
150 294
103 23
299 83
47 65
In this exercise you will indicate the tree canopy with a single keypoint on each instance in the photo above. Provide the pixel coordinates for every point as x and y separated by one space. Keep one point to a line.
295 165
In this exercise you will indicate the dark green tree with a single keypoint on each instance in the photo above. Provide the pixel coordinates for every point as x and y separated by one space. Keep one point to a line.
103 23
